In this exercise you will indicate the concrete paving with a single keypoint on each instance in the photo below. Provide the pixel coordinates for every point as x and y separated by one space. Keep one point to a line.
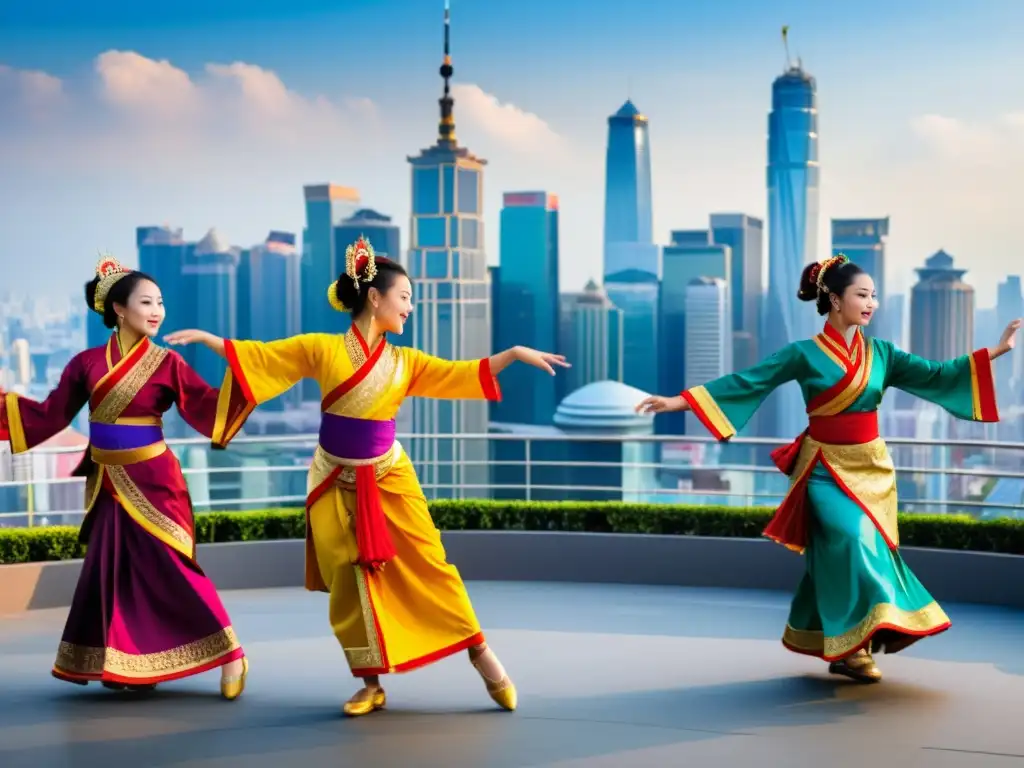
607 676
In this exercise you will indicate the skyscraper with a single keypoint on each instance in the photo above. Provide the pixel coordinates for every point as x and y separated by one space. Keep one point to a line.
592 338
269 297
863 241
941 310
793 189
528 301
632 261
376 227
691 256
1009 369
745 237
708 336
452 317
210 274
628 217
326 206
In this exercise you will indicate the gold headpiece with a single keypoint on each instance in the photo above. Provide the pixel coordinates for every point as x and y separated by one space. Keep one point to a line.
109 270
824 266
360 266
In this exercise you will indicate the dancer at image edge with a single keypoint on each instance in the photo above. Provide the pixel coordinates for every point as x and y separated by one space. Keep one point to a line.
396 604
858 596
143 612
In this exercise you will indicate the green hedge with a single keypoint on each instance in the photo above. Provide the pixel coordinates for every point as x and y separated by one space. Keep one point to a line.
21 545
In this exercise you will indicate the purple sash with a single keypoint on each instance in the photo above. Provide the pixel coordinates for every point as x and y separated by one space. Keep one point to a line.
123 437
356 439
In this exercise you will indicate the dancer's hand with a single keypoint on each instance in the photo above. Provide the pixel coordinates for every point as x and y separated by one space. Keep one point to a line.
659 404
193 336
190 336
1007 341
542 360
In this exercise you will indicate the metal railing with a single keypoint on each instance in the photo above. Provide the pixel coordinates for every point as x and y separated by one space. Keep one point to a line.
955 476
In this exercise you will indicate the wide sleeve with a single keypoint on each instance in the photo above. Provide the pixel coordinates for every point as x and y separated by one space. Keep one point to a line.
435 377
964 386
26 423
726 404
218 414
263 370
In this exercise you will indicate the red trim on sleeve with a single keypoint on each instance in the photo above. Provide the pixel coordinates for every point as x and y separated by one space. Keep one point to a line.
489 384
700 414
986 386
236 369
4 429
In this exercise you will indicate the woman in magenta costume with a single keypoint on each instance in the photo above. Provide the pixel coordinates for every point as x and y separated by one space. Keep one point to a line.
857 596
143 612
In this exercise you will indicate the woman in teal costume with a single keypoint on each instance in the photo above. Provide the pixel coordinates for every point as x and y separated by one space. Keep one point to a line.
858 596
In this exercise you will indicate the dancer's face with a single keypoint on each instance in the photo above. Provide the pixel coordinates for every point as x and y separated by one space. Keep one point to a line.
858 303
392 307
144 313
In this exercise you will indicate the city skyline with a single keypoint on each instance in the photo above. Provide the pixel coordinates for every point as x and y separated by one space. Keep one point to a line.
121 131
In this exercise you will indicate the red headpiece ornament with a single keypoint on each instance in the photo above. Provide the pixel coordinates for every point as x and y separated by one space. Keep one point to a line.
109 270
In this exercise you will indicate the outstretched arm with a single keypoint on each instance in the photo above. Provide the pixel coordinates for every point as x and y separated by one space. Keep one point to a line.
261 370
964 386
726 404
27 423
218 414
435 377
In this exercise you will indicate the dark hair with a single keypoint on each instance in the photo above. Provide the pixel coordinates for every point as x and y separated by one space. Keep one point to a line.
837 279
119 294
354 298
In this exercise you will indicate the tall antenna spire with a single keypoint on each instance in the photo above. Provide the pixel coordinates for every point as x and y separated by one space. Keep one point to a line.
446 128
785 45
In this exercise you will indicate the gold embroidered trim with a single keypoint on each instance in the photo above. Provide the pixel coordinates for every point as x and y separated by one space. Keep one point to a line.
126 456
850 395
146 513
369 657
16 430
355 350
324 463
357 402
93 484
85 660
918 622
122 394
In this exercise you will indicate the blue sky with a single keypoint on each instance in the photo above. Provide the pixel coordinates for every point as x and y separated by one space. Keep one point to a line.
921 116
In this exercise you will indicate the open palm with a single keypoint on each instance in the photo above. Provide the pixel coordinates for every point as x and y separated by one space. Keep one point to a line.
1009 338
543 360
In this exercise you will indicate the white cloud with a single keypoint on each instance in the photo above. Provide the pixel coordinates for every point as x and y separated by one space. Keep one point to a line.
36 93
512 126
946 183
230 144
131 81
972 143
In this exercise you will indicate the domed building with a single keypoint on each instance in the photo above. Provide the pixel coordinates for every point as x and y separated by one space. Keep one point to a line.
606 468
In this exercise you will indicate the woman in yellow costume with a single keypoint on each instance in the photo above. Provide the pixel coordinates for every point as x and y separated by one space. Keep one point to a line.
396 604
857 596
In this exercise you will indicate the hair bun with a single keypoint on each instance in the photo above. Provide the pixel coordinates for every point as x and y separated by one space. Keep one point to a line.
347 291
808 290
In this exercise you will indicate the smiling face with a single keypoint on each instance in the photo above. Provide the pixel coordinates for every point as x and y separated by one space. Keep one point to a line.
392 308
144 312
858 303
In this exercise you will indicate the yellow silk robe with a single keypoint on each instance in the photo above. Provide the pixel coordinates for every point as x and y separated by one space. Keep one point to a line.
415 610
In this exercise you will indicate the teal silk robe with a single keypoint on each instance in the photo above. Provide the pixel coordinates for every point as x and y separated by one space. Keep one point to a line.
841 508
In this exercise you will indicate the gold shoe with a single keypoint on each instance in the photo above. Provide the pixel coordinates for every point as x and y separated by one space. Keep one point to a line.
231 687
502 692
860 667
364 702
